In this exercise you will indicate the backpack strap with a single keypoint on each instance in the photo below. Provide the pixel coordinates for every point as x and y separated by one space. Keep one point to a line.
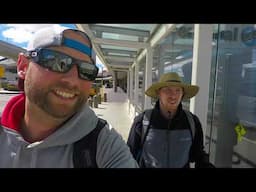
191 122
145 124
144 130
84 152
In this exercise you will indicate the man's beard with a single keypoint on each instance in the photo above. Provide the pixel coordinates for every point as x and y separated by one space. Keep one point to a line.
42 98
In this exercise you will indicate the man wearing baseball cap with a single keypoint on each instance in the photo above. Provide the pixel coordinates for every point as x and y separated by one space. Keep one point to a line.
50 124
168 136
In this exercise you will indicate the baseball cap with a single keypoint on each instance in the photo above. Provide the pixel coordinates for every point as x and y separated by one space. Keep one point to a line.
55 36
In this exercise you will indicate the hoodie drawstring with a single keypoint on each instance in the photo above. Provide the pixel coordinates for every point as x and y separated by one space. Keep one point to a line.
16 157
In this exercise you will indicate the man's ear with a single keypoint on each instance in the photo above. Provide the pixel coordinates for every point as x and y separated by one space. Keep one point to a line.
22 65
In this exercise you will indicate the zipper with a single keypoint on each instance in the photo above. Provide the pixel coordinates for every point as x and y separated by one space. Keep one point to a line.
168 136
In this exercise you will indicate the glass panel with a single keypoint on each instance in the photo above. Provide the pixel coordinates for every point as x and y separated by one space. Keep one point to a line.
234 102
141 94
133 84
210 135
122 80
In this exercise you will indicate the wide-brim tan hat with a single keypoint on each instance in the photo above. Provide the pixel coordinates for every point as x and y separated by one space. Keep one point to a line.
172 79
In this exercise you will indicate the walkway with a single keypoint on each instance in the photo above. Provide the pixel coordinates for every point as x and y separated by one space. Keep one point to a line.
115 111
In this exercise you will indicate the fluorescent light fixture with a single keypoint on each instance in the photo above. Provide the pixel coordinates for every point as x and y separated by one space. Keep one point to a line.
167 62
180 57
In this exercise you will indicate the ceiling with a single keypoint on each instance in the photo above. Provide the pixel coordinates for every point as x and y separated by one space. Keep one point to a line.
118 45
9 53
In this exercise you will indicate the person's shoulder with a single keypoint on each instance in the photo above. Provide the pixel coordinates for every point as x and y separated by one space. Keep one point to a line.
102 122
195 117
108 130
109 136
193 114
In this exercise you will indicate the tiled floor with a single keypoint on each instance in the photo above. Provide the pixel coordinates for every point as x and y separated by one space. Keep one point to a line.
115 111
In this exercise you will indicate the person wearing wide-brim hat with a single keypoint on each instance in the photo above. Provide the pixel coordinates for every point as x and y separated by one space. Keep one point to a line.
167 81
172 79
168 136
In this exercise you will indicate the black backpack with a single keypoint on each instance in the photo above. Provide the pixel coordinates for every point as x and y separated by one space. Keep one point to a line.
84 152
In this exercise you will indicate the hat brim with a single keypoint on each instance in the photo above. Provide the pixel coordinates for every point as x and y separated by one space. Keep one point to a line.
189 90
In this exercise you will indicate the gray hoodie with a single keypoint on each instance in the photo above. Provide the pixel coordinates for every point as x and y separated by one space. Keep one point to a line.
56 151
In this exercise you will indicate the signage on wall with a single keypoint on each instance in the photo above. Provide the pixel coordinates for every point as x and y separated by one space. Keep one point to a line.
247 36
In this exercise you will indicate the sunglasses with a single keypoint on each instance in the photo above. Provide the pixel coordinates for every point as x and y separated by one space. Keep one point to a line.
59 62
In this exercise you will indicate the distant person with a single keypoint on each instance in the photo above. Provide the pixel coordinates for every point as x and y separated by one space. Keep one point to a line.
168 136
50 124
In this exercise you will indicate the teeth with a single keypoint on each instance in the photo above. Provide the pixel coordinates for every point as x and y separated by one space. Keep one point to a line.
64 94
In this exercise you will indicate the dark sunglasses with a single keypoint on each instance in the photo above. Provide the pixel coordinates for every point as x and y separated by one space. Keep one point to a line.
62 63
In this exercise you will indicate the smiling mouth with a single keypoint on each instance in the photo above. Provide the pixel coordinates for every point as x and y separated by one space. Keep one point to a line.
64 94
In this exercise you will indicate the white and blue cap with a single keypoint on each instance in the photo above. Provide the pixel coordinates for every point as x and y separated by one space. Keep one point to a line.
53 36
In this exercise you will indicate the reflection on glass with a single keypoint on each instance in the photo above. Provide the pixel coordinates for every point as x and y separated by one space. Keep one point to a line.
234 98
